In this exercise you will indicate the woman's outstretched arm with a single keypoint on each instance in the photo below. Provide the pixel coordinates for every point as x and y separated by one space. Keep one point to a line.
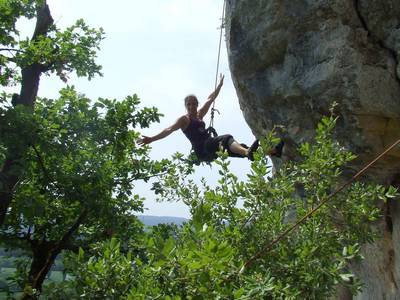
205 108
181 123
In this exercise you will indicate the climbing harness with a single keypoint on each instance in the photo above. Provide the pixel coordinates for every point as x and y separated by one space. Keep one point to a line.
211 130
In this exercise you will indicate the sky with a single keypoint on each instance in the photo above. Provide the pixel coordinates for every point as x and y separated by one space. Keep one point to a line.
160 50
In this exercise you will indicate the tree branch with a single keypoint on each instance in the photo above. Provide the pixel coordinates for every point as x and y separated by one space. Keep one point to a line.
44 20
73 228
10 174
41 163
57 249
11 50
31 74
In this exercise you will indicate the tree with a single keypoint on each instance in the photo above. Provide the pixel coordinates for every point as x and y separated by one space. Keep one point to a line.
68 165
66 185
80 170
23 61
213 255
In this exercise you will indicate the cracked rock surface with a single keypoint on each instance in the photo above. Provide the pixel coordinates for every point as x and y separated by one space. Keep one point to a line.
291 59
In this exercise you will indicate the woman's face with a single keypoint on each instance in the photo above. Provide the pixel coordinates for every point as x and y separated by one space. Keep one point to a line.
191 105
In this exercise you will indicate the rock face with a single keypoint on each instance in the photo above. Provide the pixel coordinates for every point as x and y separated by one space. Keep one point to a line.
291 59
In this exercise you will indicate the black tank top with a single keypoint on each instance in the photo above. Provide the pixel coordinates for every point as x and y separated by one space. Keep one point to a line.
197 134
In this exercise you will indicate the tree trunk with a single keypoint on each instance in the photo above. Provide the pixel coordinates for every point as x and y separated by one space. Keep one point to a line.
12 169
44 254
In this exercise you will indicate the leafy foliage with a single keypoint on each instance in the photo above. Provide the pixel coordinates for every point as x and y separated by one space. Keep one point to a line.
73 49
56 51
11 11
76 163
68 166
82 158
210 256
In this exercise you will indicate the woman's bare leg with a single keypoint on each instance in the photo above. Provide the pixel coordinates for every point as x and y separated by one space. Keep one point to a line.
236 148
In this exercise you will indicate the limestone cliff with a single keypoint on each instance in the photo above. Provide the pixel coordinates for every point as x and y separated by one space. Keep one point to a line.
290 59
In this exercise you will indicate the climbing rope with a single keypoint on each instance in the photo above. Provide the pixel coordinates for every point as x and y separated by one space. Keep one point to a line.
218 59
268 247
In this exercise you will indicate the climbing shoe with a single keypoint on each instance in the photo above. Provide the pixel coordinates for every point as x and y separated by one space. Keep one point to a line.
253 148
278 149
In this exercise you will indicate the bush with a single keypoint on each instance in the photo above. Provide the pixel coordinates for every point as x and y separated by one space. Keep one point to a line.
211 256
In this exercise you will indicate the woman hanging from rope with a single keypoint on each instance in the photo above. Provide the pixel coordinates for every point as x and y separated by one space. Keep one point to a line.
204 145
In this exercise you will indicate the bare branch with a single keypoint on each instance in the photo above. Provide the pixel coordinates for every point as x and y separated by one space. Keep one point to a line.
41 163
11 50
58 247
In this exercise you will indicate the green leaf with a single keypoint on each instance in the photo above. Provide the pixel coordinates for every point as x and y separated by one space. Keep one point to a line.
168 246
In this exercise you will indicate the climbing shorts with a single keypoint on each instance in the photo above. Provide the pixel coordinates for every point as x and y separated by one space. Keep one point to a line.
213 144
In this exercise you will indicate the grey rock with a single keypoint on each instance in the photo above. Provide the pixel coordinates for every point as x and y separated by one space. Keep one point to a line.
291 59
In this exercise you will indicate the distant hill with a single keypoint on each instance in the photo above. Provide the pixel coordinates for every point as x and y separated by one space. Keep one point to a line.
155 220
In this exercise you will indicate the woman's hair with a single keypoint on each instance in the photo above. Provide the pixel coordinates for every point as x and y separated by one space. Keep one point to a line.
191 96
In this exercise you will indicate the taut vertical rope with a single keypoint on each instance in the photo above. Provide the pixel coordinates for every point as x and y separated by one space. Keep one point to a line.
218 59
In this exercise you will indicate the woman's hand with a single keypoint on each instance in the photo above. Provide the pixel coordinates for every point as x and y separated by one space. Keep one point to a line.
218 88
145 140
204 109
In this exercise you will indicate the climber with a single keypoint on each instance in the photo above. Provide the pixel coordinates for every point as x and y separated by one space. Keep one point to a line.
205 146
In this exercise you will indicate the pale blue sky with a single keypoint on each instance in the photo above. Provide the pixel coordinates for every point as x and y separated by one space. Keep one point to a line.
161 50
